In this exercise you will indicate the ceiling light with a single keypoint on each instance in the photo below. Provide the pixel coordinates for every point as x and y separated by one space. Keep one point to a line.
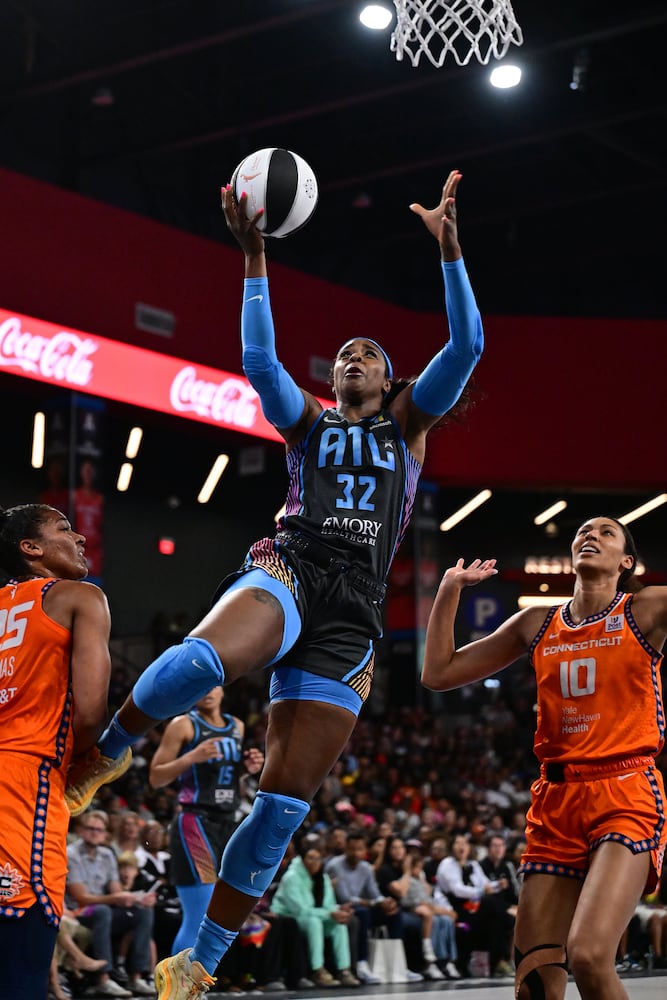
645 508
124 477
375 16
555 508
217 469
467 508
541 600
133 442
505 76
38 428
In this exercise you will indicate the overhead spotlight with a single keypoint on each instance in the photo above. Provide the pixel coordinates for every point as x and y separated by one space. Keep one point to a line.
645 508
467 508
133 442
38 430
580 67
541 600
550 512
375 16
506 76
217 470
124 477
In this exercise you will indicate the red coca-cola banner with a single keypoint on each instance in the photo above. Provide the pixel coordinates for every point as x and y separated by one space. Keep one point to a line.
87 363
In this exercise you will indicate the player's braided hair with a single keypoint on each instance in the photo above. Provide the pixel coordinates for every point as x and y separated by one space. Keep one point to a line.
17 523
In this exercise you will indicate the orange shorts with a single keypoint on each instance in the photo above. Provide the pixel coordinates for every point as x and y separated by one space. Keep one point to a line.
588 804
33 836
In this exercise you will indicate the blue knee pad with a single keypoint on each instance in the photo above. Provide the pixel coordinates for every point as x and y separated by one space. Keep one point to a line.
257 846
180 676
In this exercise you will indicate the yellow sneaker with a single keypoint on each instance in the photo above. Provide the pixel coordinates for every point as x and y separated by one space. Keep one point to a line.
90 773
177 978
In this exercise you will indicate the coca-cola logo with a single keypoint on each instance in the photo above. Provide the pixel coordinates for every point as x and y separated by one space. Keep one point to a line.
231 401
64 357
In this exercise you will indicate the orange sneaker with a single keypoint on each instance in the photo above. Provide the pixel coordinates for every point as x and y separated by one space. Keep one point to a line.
177 978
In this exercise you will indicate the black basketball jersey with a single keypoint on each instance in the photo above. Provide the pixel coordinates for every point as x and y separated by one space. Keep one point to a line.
352 487
214 783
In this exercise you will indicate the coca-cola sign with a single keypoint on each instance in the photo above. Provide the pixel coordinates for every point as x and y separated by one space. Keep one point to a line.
229 401
64 357
38 350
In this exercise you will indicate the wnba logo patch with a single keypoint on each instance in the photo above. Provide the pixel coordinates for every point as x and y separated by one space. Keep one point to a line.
614 623
10 882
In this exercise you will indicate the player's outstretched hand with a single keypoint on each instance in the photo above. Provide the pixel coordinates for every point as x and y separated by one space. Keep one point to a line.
244 229
441 220
467 576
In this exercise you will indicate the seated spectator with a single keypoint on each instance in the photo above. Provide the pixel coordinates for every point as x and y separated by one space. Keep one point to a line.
354 882
154 874
461 881
441 918
277 961
306 893
437 850
499 869
68 958
143 889
95 893
394 879
128 834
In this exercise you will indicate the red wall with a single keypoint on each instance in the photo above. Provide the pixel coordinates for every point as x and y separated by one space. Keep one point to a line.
567 402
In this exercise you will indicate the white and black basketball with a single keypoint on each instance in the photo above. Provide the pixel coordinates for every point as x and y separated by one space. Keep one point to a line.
280 182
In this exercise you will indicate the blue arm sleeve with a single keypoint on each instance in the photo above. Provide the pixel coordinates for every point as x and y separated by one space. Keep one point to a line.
282 400
442 381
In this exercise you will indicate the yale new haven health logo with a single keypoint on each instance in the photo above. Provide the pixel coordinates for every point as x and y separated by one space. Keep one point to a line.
614 623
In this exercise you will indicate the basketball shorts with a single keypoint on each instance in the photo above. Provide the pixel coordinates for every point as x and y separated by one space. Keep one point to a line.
589 804
196 842
33 838
330 626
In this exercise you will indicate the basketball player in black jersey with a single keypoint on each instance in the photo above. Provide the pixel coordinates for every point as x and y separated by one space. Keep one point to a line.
203 752
307 602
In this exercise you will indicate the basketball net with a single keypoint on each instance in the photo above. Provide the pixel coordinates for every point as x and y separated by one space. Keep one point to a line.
466 28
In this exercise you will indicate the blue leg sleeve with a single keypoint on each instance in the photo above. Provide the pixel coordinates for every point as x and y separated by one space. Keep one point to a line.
178 678
211 944
194 903
256 848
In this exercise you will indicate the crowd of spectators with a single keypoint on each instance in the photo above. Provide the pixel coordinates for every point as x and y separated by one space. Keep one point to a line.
429 801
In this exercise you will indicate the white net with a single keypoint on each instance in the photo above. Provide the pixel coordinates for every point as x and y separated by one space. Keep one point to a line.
466 28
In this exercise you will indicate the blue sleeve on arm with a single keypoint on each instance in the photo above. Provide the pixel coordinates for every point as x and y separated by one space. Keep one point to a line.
282 400
441 383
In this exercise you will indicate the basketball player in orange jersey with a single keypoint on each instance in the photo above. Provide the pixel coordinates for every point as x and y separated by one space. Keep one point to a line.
54 678
596 826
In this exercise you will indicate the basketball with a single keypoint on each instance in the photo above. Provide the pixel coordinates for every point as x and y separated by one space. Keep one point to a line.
280 182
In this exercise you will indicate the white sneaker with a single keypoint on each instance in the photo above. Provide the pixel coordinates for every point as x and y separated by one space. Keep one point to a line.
451 971
108 989
413 977
366 975
142 988
432 972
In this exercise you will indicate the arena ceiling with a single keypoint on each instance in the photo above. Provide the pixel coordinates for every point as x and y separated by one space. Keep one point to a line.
149 105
